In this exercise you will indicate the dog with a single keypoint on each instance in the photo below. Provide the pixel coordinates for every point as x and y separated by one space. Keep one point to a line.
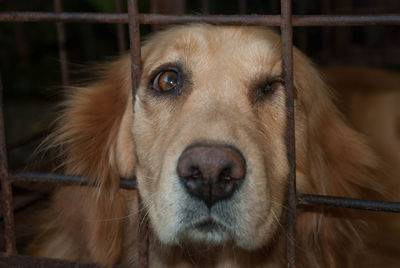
205 141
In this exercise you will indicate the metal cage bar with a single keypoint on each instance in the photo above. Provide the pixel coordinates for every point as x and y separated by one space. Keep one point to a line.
262 20
130 184
61 38
13 260
6 187
286 21
287 72
136 70
120 29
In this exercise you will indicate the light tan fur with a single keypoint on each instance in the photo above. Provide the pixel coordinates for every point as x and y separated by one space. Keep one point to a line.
99 137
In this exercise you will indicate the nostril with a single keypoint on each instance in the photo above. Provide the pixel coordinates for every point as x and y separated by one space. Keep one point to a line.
193 179
226 174
195 172
191 183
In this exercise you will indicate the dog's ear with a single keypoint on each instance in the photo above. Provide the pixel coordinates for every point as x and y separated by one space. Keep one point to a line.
94 137
339 163
95 124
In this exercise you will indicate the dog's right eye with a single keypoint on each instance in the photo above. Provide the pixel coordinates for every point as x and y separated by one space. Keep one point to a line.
165 81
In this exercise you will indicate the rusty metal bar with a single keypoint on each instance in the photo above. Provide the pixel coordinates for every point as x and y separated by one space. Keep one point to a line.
64 179
344 202
264 20
134 34
64 17
62 50
120 29
205 6
242 6
11 260
302 199
6 190
143 241
272 20
287 71
136 69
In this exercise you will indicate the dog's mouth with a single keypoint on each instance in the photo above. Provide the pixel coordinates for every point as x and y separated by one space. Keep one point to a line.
209 226
207 231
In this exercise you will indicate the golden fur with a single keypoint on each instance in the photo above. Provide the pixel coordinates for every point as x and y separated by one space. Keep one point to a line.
100 138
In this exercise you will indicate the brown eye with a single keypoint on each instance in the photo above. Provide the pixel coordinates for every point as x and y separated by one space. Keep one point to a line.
166 81
273 85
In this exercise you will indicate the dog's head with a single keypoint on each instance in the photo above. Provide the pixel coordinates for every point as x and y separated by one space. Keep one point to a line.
205 137
208 130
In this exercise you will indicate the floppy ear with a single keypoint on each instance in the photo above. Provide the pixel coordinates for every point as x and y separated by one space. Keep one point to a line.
94 137
339 163
90 132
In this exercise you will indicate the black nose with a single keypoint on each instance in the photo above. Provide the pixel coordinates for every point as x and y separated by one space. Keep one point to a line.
211 172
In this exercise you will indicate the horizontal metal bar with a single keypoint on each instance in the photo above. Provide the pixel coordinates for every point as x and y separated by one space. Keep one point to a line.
346 20
6 187
271 20
64 179
63 17
274 20
302 199
266 20
321 200
11 260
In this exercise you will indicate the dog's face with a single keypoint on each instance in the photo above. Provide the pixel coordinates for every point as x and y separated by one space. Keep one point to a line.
206 142
208 130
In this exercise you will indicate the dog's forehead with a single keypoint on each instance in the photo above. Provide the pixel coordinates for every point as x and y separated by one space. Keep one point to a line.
215 49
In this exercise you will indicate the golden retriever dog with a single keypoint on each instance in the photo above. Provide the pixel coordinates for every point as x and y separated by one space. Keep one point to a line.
205 141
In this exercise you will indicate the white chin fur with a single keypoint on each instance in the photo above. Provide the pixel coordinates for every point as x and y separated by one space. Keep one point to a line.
213 237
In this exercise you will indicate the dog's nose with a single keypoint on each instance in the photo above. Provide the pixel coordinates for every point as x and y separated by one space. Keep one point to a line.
211 172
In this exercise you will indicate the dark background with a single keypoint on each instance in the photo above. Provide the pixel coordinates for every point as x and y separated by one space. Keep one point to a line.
30 65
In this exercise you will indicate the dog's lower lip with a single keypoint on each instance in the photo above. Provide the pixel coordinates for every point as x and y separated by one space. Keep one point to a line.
209 225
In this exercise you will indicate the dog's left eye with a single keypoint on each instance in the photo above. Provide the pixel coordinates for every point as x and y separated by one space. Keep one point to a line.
273 85
166 80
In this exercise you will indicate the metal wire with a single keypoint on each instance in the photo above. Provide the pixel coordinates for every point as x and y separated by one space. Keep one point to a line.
6 190
65 179
343 202
120 29
12 260
264 20
61 38
287 72
136 70
130 184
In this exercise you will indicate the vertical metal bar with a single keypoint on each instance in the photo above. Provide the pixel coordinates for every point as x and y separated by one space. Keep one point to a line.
287 70
273 7
155 6
326 33
242 6
62 45
301 33
6 190
342 43
143 241
205 6
120 29
134 37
